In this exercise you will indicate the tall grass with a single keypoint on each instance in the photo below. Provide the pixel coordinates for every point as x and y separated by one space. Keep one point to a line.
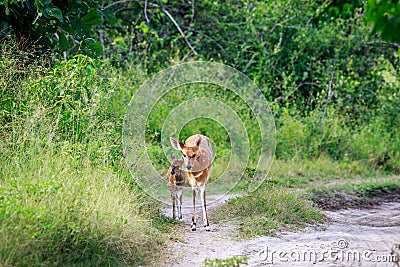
305 172
60 209
66 197
373 146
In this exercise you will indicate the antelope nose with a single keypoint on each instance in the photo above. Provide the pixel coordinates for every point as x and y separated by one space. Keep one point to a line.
173 172
189 167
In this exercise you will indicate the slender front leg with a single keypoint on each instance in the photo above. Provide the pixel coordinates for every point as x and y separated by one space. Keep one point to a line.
179 202
194 209
173 205
203 205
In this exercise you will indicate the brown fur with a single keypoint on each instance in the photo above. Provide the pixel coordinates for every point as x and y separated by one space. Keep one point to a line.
176 181
197 152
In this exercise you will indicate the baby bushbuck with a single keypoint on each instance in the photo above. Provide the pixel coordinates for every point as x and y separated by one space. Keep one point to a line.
176 181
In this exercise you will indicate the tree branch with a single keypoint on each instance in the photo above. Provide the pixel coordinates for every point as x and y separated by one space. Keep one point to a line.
179 29
208 37
328 99
146 4
145 12
128 1
280 24
279 99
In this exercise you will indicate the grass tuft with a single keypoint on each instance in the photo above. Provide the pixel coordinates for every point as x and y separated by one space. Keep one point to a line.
229 262
267 210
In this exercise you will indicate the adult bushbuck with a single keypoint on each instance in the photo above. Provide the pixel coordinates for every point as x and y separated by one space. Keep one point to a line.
197 154
176 181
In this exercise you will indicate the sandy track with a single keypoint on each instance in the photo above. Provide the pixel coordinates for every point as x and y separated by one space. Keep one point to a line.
353 237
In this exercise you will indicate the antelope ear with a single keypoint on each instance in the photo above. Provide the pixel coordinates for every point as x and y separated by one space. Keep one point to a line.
176 144
173 157
198 140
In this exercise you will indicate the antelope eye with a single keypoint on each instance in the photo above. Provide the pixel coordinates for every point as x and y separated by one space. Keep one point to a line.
184 156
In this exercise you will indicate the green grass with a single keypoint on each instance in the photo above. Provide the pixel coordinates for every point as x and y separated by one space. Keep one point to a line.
307 172
64 202
229 262
269 209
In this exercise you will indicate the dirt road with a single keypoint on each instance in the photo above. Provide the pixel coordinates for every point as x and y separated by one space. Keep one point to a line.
353 237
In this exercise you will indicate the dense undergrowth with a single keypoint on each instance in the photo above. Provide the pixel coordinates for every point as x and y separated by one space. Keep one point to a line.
61 209
67 197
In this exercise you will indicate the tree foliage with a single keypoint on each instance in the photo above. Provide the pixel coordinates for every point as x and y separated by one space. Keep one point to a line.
384 16
64 24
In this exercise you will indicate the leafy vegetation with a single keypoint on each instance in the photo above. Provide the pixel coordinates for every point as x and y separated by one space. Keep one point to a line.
66 196
63 24
229 262
384 17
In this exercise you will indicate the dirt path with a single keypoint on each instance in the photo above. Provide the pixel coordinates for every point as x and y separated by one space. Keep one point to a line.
353 238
